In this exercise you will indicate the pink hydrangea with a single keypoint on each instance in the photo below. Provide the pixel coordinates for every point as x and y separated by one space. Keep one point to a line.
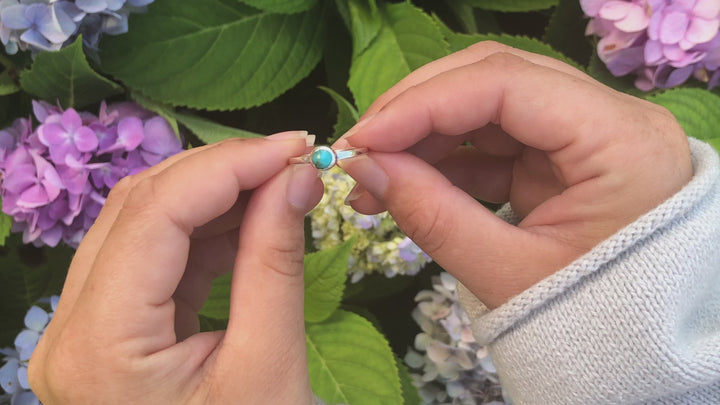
56 177
664 42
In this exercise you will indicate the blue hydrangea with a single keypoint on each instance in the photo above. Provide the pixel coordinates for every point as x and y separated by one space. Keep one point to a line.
13 373
48 25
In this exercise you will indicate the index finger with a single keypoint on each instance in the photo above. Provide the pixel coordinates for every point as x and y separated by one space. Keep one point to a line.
539 106
146 249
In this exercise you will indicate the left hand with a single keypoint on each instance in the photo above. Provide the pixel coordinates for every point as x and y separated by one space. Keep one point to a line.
126 329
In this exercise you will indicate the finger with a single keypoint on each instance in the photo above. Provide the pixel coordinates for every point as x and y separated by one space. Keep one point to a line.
267 298
95 237
151 235
87 251
483 177
540 107
469 55
481 250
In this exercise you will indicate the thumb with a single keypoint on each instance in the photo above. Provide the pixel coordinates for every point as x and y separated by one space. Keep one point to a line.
492 258
266 326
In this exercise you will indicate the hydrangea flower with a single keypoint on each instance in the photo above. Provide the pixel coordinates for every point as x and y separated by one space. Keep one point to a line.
56 177
447 365
47 25
380 245
13 373
663 42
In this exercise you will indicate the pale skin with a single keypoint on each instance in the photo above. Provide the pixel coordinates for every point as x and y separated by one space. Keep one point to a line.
576 160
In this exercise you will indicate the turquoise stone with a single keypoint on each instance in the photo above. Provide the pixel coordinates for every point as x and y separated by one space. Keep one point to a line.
323 159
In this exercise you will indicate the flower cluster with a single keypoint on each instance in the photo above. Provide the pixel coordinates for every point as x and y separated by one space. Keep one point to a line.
663 42
55 178
448 366
380 245
45 25
13 373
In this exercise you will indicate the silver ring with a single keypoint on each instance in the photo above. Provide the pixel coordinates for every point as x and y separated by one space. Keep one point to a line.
325 157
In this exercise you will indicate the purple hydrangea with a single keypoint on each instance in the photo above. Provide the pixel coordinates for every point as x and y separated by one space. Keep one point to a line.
55 178
663 42
48 25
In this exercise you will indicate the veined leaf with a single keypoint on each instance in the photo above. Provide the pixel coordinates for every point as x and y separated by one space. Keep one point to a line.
213 54
347 114
66 76
209 131
407 40
512 5
696 110
282 6
461 41
350 362
366 21
325 275
217 305
566 31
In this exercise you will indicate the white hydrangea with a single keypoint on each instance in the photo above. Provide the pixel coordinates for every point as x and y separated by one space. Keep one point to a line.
447 365
380 245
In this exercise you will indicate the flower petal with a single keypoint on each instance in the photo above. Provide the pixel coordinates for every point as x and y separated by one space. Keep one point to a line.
91 6
707 9
673 27
8 376
36 318
85 139
701 30
25 398
26 338
13 17
130 133
71 120
52 134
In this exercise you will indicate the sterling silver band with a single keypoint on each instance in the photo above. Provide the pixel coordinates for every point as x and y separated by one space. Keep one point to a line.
324 157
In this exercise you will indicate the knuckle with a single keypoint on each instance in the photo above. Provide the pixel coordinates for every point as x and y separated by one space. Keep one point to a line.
141 194
505 61
484 48
286 261
429 226
121 189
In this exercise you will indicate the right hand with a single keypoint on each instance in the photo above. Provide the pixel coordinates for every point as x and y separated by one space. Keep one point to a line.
576 160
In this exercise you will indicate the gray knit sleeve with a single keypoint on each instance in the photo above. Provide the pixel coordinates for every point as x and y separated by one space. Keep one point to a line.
635 320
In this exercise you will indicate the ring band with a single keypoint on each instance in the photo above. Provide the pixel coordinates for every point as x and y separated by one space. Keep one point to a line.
324 157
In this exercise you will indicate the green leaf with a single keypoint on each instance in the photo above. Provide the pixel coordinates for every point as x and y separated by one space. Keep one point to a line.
5 226
215 55
7 84
566 30
209 131
512 5
407 40
696 110
409 391
325 275
347 114
461 41
282 6
27 274
366 22
66 76
217 305
208 324
350 362
464 14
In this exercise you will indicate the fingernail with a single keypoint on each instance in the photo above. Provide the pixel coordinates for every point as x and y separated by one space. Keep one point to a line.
287 135
300 186
355 193
343 142
367 173
310 140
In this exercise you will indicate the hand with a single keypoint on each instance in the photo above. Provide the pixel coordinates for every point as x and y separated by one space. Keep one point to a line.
576 160
126 328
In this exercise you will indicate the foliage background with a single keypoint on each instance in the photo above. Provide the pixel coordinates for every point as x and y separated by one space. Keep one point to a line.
228 68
